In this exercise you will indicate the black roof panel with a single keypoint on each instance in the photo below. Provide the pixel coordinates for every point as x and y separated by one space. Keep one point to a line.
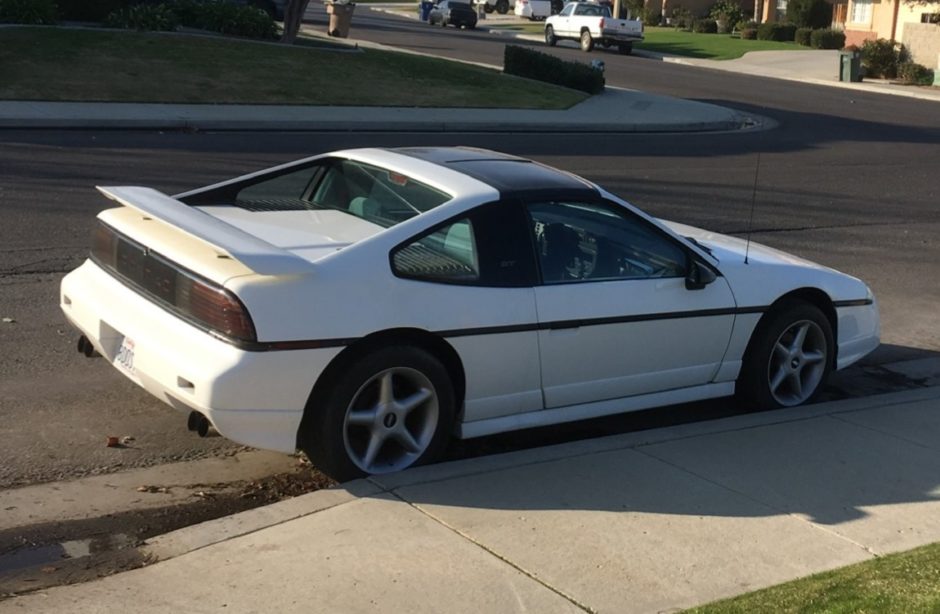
511 175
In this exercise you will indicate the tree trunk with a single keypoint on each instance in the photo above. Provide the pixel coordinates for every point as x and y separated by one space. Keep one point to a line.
293 15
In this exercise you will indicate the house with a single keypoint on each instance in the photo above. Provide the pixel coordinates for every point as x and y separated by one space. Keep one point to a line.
914 23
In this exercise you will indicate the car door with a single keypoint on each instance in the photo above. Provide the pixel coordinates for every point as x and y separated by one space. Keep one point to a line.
615 316
563 22
473 279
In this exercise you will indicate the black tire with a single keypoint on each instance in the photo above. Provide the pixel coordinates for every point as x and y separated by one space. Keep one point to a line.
625 48
762 363
325 438
587 42
502 6
550 39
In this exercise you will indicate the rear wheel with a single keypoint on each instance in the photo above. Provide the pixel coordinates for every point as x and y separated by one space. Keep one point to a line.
393 409
502 6
789 358
587 43
550 38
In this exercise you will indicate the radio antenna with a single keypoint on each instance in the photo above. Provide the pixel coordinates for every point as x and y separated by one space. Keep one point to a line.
750 222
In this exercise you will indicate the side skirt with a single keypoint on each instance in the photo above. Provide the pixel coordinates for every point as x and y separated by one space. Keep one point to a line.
572 413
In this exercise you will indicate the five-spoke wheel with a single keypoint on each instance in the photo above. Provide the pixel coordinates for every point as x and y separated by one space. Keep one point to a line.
388 410
789 357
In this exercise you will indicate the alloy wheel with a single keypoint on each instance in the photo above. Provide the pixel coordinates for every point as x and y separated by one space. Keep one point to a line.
797 363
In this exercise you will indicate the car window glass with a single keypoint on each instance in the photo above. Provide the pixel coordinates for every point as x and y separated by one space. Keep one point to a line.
448 254
567 10
375 194
595 242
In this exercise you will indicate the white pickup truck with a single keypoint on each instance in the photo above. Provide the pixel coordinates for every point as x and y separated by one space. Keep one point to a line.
591 23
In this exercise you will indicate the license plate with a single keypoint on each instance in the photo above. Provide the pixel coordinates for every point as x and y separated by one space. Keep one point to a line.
125 355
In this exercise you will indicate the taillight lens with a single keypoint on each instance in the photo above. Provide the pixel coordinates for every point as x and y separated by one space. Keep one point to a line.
193 298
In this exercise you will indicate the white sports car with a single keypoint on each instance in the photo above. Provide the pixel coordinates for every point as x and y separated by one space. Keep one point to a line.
365 305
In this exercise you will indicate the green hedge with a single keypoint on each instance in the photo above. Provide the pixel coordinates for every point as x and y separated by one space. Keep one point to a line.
37 12
915 74
827 39
705 26
749 34
144 17
880 58
211 15
781 32
809 13
90 10
540 66
803 36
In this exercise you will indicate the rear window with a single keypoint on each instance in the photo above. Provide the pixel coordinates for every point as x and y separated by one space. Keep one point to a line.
378 195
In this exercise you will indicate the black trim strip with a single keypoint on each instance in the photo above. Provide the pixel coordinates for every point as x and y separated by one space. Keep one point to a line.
859 302
510 328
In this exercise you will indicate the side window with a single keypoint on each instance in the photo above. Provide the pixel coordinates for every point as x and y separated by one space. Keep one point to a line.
567 10
489 247
449 255
595 242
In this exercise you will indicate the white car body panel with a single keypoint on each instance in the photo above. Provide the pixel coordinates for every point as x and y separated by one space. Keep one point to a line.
325 276
533 9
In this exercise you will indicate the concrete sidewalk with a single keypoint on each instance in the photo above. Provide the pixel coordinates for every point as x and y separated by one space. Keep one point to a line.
641 522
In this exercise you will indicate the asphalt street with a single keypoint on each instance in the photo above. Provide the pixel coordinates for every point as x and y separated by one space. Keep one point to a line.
846 179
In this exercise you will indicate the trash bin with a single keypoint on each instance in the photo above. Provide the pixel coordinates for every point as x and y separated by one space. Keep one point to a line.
426 6
340 18
850 66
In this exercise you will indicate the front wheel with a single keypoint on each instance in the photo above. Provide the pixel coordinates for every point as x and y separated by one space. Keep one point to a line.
587 43
789 358
502 6
393 409
550 38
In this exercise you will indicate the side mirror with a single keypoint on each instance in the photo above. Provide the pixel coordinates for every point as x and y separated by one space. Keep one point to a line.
699 275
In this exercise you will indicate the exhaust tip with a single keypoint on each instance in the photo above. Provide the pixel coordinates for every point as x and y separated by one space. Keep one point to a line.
87 348
200 424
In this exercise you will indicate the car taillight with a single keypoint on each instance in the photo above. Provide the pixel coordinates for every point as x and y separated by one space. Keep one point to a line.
216 307
195 299
602 23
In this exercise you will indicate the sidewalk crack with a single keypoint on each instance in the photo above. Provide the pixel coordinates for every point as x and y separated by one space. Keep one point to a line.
495 554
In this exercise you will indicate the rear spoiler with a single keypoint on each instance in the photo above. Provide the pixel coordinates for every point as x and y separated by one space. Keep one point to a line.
258 255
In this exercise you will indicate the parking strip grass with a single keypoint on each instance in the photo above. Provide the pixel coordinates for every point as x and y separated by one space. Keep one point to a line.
707 46
906 582
92 65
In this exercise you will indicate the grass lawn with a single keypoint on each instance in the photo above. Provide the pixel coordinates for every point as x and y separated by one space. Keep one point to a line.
907 582
121 66
709 46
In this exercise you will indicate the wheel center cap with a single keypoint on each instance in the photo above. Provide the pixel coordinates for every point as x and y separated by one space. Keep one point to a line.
389 420
795 363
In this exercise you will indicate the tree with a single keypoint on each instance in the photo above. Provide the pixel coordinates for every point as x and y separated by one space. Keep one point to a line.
293 16
809 13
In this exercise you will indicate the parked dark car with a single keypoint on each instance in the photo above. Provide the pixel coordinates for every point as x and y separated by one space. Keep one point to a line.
449 12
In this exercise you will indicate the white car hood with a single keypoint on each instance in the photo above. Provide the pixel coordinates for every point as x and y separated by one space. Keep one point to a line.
769 272
309 234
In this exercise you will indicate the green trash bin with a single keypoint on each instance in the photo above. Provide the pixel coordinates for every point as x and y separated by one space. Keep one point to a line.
850 66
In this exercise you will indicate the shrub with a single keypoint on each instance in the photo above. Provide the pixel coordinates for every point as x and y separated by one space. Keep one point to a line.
705 26
809 13
781 32
28 11
144 17
224 17
726 14
90 10
803 35
651 17
827 39
682 18
880 58
913 73
544 67
748 34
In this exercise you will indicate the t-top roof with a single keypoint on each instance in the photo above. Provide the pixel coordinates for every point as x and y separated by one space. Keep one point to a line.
511 175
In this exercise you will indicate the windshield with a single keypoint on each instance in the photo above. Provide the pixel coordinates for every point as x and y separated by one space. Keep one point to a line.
375 194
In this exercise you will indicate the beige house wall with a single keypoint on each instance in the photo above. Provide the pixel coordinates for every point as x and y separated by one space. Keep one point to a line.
911 13
923 42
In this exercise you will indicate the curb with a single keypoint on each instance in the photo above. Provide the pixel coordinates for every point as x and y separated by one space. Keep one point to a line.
196 537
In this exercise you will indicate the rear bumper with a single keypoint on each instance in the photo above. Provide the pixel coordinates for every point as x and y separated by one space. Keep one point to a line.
254 398
614 36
